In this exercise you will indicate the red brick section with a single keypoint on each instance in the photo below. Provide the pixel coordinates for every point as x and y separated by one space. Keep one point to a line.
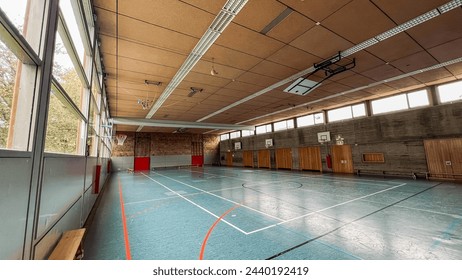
166 144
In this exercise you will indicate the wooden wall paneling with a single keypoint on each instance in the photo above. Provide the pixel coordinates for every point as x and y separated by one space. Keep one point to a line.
342 159
284 158
247 159
264 159
444 157
310 158
229 158
456 157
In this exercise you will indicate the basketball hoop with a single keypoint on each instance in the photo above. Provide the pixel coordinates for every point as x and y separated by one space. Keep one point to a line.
121 139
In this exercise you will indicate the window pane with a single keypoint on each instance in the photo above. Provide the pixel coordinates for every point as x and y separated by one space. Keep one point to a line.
280 126
319 118
235 134
261 129
16 100
389 104
418 98
339 114
71 22
290 123
224 137
305 121
359 110
65 73
27 18
247 133
63 128
450 92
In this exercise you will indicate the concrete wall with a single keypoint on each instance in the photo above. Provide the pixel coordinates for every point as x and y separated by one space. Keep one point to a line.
399 136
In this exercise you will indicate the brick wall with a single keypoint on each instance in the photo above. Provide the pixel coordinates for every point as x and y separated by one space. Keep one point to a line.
162 144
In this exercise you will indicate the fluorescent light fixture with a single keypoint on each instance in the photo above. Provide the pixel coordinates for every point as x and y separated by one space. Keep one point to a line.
359 47
221 21
449 6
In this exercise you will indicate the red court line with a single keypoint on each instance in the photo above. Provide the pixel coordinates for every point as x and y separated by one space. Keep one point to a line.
124 224
204 243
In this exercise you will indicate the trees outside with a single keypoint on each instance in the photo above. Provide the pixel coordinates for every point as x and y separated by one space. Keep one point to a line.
8 64
63 124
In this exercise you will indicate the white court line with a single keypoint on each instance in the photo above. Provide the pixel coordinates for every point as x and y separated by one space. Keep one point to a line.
327 208
195 204
229 200
174 197
311 177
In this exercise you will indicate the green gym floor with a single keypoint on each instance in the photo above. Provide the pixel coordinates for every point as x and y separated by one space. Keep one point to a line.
220 213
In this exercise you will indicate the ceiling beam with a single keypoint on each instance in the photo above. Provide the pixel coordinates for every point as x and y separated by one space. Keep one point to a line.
177 124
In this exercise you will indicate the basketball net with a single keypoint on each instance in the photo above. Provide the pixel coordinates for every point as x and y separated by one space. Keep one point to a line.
120 139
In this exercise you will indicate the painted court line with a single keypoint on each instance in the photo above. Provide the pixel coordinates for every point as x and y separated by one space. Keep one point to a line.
124 224
209 232
195 204
229 200
327 208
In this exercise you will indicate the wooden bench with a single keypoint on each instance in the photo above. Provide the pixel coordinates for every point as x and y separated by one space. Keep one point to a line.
69 246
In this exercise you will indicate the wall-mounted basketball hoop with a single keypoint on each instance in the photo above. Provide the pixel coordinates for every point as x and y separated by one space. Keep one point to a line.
120 139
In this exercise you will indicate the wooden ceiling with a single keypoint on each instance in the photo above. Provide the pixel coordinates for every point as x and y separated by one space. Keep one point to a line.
150 40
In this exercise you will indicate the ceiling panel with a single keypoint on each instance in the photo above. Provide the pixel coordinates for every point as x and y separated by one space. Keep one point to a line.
156 37
250 42
291 27
258 13
358 21
316 10
321 42
440 30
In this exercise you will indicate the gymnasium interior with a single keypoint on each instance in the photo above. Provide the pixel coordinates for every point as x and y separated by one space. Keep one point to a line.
231 130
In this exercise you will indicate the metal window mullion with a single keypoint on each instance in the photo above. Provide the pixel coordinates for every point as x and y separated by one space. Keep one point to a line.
66 100
71 50
14 40
39 135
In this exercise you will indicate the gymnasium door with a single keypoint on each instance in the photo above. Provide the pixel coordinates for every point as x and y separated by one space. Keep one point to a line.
229 159
264 159
197 153
247 158
444 157
284 158
310 158
342 159
142 152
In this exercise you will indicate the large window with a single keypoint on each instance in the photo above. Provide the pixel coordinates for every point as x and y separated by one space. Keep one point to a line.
347 112
312 119
400 102
450 92
263 129
245 133
63 133
283 125
235 134
224 137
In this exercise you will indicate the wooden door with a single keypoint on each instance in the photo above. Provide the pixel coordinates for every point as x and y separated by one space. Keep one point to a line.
264 159
310 158
342 159
229 159
247 158
444 157
284 158
142 161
